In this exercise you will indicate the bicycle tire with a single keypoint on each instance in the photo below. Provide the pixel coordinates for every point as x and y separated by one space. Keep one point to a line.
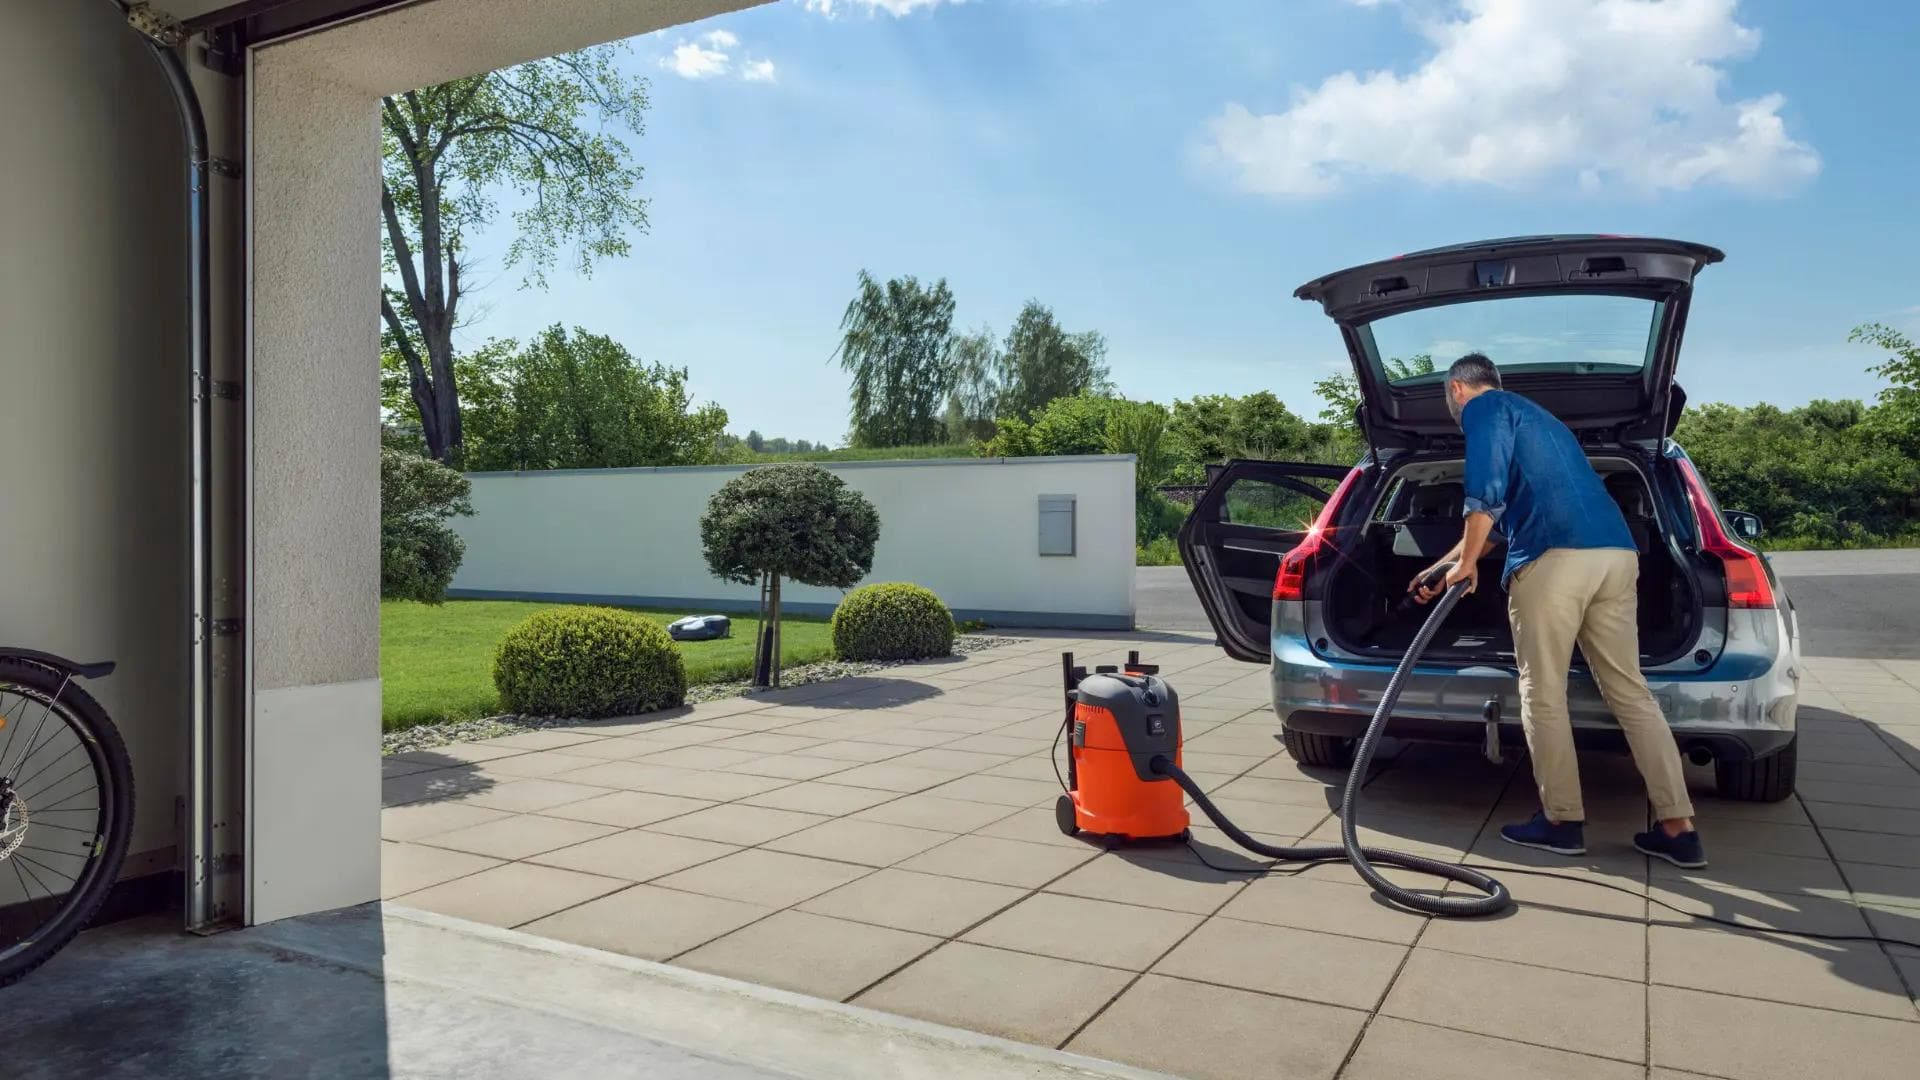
113 771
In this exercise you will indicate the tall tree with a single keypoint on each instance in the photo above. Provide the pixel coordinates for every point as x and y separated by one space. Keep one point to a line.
582 401
1042 362
897 343
975 396
448 151
1897 416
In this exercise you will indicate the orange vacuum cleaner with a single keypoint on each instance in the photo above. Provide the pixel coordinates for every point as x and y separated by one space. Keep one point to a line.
1121 719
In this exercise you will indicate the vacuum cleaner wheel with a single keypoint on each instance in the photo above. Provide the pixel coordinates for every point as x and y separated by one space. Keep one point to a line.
1063 816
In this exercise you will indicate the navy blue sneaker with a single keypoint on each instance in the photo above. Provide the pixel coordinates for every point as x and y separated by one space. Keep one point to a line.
1566 838
1683 851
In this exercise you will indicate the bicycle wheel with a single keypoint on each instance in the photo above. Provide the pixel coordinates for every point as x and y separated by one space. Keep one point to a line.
66 812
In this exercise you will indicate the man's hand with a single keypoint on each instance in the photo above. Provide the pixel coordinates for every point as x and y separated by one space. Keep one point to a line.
1414 585
1461 571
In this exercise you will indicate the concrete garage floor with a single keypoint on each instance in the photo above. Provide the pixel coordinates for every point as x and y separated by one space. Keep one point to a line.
889 842
371 994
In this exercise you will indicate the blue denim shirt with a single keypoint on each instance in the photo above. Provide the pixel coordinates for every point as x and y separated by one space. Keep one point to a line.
1527 470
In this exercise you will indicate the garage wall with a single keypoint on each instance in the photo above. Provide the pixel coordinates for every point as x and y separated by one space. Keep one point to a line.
968 529
93 383
313 397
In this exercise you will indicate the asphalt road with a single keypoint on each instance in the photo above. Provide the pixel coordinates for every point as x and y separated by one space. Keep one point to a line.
1850 603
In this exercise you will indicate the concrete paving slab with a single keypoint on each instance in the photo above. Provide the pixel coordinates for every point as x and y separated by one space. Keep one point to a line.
648 922
1395 1049
1306 964
406 868
635 854
736 823
810 954
999 861
1758 1040
759 876
922 903
1568 1011
1848 976
518 836
1014 995
868 843
626 809
415 820
1091 931
1218 1033
512 893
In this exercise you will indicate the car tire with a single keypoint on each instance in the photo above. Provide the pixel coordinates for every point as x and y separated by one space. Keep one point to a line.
1307 748
1765 779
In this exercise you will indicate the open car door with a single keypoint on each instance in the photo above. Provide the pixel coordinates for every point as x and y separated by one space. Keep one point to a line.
1251 514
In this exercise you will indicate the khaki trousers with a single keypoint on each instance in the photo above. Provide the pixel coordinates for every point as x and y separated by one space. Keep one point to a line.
1586 595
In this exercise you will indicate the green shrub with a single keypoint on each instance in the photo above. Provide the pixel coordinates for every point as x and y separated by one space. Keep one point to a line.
418 559
588 662
892 622
1161 551
1156 517
419 552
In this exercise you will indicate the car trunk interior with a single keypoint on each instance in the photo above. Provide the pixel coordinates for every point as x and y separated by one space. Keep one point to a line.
1420 519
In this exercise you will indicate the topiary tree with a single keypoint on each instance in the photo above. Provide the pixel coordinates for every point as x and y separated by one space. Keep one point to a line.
895 621
588 662
794 521
418 551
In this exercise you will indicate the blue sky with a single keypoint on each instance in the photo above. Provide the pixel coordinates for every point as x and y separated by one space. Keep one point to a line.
1168 173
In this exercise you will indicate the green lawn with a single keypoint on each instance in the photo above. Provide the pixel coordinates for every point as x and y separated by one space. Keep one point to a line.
436 663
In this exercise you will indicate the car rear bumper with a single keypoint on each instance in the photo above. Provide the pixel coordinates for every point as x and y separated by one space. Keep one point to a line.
1741 707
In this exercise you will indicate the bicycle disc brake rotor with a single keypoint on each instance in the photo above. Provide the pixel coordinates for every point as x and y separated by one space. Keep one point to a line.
13 826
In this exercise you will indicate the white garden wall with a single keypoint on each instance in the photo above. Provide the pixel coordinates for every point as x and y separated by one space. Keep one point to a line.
969 529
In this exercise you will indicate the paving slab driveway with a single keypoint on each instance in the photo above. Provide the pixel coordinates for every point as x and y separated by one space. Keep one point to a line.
889 841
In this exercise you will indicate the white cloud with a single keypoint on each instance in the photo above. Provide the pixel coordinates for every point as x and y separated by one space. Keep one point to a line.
1529 93
896 8
711 54
690 61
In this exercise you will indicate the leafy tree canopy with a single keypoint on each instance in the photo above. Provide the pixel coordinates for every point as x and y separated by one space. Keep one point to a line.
794 521
896 343
448 150
1042 362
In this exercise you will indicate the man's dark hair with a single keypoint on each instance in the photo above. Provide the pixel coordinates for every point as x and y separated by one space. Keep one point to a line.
1474 369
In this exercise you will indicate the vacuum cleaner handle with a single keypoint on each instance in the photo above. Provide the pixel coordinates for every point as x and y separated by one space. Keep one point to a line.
1430 580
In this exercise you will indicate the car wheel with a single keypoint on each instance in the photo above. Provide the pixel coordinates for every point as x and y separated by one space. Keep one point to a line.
1307 748
1767 779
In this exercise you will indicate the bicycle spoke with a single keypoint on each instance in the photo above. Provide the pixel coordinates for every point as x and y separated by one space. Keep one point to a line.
82 767
45 712
38 824
20 784
33 750
51 872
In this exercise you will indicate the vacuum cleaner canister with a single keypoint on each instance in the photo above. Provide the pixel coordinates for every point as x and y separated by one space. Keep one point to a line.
1120 722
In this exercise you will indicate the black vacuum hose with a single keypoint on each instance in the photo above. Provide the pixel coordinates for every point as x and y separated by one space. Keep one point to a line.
1496 898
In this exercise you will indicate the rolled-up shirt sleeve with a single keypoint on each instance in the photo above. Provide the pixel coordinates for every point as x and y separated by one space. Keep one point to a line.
1489 457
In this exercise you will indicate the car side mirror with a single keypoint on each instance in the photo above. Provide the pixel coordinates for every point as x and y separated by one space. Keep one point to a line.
1744 525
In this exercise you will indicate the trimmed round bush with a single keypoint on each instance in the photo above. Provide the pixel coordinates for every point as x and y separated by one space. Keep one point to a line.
588 662
895 621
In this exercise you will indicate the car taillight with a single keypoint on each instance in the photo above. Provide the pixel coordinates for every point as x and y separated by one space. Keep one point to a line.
1747 584
1290 582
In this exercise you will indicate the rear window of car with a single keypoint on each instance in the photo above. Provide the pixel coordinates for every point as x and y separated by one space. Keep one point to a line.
1561 333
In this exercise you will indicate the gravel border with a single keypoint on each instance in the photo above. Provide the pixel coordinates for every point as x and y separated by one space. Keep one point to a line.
429 736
